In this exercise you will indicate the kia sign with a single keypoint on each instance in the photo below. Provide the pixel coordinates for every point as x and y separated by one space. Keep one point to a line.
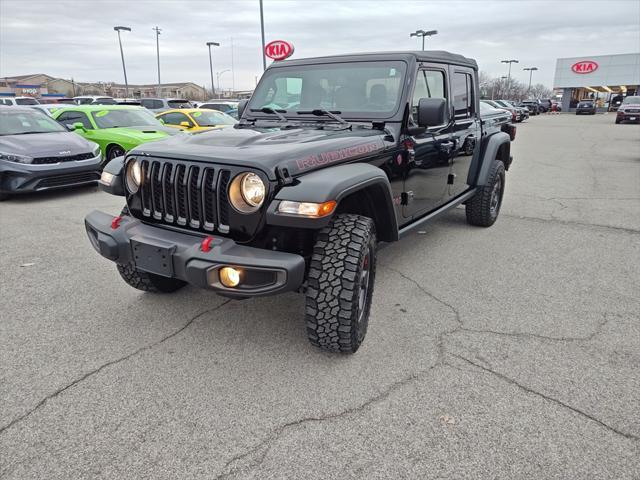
584 66
278 50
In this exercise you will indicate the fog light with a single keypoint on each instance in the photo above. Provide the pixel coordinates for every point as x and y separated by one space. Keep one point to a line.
229 277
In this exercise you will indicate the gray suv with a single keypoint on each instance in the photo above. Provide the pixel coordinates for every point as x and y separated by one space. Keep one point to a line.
162 104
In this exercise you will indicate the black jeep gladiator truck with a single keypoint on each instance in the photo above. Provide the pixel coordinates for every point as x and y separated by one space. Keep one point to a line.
331 156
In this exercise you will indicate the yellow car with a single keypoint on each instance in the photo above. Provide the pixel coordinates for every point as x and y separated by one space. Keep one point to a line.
195 119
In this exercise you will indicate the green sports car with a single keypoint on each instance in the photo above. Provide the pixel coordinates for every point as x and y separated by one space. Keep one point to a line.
116 128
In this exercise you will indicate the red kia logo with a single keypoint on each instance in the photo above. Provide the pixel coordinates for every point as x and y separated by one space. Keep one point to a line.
278 50
585 66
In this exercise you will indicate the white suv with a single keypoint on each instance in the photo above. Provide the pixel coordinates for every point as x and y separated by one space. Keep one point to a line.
18 101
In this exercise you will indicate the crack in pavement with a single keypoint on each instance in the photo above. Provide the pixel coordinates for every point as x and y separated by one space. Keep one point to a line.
571 222
97 370
512 381
591 336
440 338
266 444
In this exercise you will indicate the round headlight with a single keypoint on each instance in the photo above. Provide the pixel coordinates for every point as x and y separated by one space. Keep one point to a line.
247 192
252 189
134 176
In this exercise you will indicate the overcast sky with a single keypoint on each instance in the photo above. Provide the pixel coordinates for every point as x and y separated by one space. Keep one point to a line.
75 38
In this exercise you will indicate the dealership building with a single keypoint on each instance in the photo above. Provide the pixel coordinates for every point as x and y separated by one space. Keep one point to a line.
604 78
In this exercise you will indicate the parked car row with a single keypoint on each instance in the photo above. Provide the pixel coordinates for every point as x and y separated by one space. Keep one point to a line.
230 107
518 114
46 146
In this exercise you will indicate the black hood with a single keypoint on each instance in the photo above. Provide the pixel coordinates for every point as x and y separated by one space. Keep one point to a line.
45 144
297 149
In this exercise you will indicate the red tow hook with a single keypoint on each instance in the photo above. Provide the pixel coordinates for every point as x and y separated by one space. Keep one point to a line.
115 223
205 246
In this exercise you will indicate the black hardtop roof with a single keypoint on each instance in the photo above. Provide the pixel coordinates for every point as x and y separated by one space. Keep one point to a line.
435 56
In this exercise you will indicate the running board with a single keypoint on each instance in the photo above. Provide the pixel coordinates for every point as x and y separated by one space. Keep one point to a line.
435 213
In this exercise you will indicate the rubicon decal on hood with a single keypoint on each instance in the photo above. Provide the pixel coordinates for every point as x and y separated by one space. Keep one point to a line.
332 156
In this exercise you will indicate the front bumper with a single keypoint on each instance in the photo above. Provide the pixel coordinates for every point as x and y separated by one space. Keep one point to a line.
627 116
179 255
24 178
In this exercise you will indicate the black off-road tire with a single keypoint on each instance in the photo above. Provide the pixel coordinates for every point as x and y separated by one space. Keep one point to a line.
617 121
149 282
337 307
3 196
484 207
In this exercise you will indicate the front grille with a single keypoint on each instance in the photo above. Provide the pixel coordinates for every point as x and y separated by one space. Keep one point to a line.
70 158
69 179
184 194
632 110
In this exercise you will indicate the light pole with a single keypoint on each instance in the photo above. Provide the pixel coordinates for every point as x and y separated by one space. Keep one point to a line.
213 87
264 58
126 84
422 33
158 30
218 75
509 76
531 70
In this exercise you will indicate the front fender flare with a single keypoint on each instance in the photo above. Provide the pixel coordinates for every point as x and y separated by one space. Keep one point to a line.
116 168
334 183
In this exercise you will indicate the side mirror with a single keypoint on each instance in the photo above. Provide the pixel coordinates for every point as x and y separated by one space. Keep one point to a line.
186 124
78 126
432 112
242 104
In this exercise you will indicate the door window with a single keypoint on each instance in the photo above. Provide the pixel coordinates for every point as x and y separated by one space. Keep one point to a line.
175 118
69 118
462 96
429 84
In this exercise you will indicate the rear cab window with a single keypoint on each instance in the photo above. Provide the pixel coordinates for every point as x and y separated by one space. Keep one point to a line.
463 101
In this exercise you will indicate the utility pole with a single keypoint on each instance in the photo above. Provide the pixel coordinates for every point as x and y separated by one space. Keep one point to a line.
213 87
509 76
126 83
531 70
158 30
422 33
264 58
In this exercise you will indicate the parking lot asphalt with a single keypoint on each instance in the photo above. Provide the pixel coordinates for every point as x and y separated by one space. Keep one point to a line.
509 352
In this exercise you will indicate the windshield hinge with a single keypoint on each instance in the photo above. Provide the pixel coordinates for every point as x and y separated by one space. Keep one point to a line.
283 176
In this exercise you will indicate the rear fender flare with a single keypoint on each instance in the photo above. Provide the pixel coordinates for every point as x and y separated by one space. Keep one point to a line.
497 145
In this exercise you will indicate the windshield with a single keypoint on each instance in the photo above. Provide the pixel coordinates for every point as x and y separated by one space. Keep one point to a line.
26 101
179 104
18 123
124 118
212 118
631 101
369 89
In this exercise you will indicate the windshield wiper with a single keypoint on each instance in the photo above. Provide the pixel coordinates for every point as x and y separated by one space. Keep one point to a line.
318 112
272 111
